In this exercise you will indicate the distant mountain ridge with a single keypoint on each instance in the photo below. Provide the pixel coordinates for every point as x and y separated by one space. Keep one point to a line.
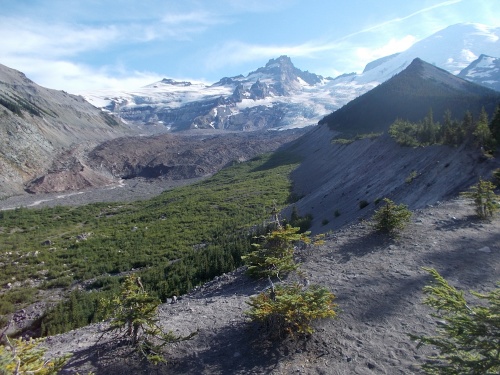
410 95
279 95
484 71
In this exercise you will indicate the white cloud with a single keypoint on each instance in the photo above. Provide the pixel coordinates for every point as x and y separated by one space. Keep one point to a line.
21 36
78 78
365 54
197 17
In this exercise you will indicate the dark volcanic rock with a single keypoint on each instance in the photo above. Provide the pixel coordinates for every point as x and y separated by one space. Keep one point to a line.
183 156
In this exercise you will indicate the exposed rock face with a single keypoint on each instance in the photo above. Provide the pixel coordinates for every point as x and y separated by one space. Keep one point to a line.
261 100
182 156
36 124
67 174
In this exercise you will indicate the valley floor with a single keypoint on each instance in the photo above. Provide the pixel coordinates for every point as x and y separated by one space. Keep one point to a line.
378 283
124 190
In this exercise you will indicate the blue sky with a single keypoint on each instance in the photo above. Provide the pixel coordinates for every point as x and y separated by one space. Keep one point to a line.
78 45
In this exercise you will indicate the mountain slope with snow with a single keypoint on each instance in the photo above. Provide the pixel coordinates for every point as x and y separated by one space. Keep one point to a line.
410 95
279 95
484 71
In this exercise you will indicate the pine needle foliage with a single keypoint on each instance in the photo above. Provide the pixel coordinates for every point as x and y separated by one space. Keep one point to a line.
469 339
273 253
484 198
291 309
391 217
134 317
20 357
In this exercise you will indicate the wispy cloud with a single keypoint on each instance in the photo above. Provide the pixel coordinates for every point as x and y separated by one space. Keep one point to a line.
196 17
404 18
26 36
352 52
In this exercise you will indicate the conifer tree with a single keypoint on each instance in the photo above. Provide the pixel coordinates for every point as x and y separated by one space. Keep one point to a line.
290 309
18 356
134 316
484 198
468 337
482 132
495 125
391 217
273 253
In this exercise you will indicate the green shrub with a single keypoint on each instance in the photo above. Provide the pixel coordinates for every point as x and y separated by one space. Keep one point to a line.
496 176
290 309
325 222
134 315
391 217
468 339
18 356
484 198
302 222
336 213
411 177
273 256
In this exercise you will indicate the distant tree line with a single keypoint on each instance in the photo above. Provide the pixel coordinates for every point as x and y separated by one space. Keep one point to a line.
453 132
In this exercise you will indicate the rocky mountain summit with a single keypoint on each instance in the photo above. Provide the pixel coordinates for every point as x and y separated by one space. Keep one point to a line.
484 71
410 95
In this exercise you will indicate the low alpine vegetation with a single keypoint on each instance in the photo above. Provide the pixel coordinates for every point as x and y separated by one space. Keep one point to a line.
468 339
134 317
391 217
18 356
486 202
290 309
273 254
286 308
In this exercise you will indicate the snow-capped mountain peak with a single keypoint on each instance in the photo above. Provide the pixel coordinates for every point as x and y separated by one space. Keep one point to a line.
279 95
484 71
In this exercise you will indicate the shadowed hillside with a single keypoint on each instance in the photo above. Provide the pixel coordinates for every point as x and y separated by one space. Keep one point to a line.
409 95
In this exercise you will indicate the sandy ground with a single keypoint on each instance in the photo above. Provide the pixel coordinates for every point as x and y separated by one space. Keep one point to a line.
378 283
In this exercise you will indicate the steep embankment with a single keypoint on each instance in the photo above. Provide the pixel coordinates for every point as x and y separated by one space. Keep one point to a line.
333 179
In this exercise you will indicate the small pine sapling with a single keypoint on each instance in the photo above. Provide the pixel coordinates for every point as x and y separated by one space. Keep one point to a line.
468 339
134 316
291 309
274 254
18 356
484 198
391 217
